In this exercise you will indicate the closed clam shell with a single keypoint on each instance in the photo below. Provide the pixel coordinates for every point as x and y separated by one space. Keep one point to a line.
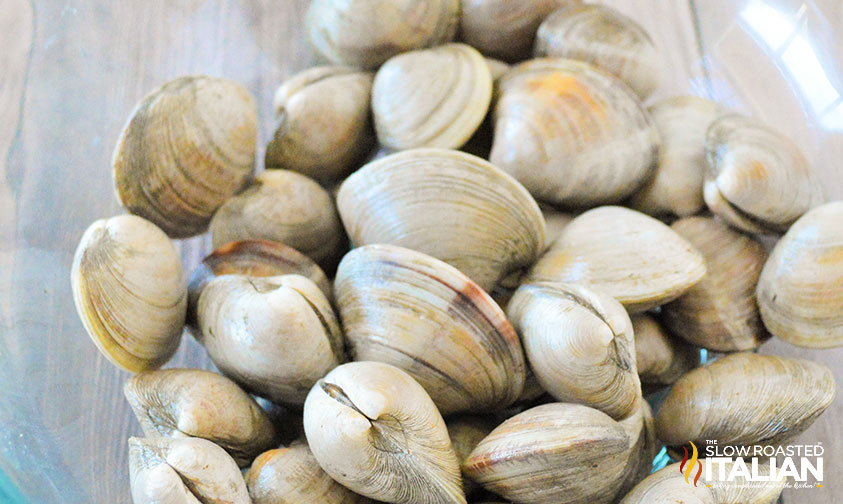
291 475
450 205
365 33
661 357
466 432
573 134
505 29
283 206
579 344
186 148
632 257
800 292
431 98
183 471
668 486
324 123
745 399
605 38
417 313
197 403
275 336
720 313
130 292
758 180
677 186
376 431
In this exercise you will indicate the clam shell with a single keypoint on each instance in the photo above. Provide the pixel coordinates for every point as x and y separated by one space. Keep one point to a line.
632 257
275 336
130 292
465 433
661 357
745 399
677 186
800 292
376 431
450 205
283 206
186 148
431 98
720 312
758 180
324 122
365 33
574 135
505 29
640 427
606 38
417 313
579 344
198 403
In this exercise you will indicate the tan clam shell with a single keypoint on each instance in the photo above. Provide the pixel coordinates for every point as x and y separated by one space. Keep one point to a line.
574 135
417 313
431 97
286 207
376 431
606 38
466 432
580 345
800 292
275 336
661 357
720 313
668 486
130 292
643 446
197 403
505 29
183 471
291 475
677 186
745 399
365 33
450 205
758 180
187 147
632 257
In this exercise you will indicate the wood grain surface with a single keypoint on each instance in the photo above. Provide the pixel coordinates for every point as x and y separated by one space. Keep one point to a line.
71 71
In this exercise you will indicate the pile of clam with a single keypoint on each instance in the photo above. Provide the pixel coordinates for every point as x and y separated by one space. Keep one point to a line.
394 319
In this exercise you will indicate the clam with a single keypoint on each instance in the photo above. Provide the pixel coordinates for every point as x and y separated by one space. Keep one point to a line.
668 486
282 206
275 336
197 403
632 257
183 471
130 292
365 33
758 180
661 357
580 345
186 148
415 312
450 205
605 38
376 431
465 433
745 399
677 186
497 68
800 292
574 135
720 312
505 29
324 125
431 98
291 475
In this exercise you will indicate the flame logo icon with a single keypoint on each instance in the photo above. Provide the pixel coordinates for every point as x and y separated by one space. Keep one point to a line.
691 464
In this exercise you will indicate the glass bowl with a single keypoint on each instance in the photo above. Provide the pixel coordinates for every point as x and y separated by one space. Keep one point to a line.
71 71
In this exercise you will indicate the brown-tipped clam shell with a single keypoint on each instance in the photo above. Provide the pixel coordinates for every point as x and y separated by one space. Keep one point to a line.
661 357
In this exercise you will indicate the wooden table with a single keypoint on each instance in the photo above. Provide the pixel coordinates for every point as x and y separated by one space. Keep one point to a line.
70 72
